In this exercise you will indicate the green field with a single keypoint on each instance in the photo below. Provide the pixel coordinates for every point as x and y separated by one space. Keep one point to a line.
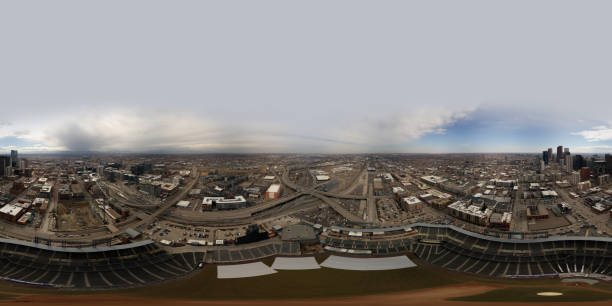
529 294
318 283
325 283
6 297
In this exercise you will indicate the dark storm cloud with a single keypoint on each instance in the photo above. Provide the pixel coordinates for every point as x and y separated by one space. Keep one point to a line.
75 138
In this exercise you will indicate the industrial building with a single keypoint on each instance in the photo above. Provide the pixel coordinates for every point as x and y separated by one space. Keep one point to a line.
222 203
273 191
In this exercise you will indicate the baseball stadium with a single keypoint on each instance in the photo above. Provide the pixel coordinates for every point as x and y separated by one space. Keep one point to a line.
392 261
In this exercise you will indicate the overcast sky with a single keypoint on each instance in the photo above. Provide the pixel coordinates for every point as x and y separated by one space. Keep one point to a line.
305 76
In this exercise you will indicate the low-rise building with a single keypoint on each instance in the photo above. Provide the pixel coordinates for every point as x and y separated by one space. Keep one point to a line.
183 204
574 178
222 203
11 212
273 192
470 213
586 185
397 189
603 179
537 212
501 220
411 204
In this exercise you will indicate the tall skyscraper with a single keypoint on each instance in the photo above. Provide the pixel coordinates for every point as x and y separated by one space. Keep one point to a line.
559 153
550 156
4 162
14 158
545 157
574 178
579 162
608 158
585 173
569 165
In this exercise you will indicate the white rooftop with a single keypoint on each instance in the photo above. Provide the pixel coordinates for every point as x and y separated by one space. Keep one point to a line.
549 193
183 204
433 179
10 209
411 200
368 264
209 200
471 209
274 188
244 270
295 263
397 189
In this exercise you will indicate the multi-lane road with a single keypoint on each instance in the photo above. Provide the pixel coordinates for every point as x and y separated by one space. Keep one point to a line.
327 197
250 214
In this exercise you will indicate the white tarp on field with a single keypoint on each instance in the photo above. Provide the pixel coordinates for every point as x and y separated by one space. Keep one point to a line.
244 270
368 264
295 263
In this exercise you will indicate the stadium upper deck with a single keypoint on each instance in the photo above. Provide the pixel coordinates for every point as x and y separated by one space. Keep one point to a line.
126 265
457 249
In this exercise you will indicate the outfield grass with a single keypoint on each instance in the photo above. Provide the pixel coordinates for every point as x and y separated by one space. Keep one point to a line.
285 284
529 294
6 297
317 283
604 286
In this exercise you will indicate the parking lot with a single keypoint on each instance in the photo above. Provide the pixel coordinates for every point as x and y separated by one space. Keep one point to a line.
177 233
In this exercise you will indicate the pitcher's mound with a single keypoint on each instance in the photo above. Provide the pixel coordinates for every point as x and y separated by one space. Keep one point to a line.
550 293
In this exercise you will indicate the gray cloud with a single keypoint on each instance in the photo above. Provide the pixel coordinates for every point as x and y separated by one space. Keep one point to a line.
598 133
76 138
294 76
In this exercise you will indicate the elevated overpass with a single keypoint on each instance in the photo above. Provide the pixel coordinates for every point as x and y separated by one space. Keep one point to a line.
235 214
325 197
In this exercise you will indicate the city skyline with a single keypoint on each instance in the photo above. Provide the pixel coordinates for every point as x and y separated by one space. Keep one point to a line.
214 78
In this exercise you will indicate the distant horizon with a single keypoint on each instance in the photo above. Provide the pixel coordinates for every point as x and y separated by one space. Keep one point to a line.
285 153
